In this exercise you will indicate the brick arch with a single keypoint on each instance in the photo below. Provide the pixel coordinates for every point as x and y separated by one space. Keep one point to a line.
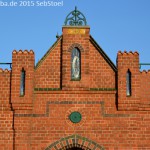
74 141
77 46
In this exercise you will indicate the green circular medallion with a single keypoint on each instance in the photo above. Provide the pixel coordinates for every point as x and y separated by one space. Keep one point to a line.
75 117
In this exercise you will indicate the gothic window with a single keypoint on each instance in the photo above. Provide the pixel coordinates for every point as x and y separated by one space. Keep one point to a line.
22 83
75 64
128 83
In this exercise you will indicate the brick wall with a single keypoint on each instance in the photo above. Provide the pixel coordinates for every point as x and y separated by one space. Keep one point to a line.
6 115
22 60
144 90
128 61
101 73
5 89
22 104
51 109
39 120
81 41
48 70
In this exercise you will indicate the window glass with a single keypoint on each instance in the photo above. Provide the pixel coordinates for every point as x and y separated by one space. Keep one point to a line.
128 82
22 83
75 64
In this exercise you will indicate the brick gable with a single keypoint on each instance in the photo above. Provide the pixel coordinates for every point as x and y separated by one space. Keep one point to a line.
59 113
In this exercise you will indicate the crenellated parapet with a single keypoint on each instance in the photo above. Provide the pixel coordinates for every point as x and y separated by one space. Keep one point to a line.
5 70
145 72
22 59
144 90
23 52
128 60
6 113
128 80
22 78
5 81
128 53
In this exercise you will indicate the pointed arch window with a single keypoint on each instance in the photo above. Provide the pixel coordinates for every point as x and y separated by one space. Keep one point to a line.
22 83
75 64
128 83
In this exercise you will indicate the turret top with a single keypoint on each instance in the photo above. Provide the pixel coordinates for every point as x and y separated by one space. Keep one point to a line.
75 18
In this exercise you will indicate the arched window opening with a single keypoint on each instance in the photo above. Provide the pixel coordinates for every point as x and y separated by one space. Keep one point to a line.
128 82
22 83
75 64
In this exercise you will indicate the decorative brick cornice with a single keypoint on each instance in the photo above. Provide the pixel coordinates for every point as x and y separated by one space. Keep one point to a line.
74 102
77 46
75 141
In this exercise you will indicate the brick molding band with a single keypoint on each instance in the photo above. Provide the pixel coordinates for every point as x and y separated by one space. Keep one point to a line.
102 103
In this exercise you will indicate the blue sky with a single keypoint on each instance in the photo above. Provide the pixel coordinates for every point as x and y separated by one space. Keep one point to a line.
115 25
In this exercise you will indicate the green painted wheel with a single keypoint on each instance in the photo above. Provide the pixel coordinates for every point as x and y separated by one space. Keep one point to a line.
75 117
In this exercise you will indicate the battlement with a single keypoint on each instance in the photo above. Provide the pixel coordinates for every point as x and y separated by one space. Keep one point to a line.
22 61
128 60
128 72
23 52
145 89
4 70
128 53
4 89
145 72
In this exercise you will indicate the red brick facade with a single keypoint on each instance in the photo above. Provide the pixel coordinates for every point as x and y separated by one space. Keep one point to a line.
39 119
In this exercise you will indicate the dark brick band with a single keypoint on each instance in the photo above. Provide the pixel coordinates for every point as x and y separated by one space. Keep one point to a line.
59 89
103 89
47 89
74 102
